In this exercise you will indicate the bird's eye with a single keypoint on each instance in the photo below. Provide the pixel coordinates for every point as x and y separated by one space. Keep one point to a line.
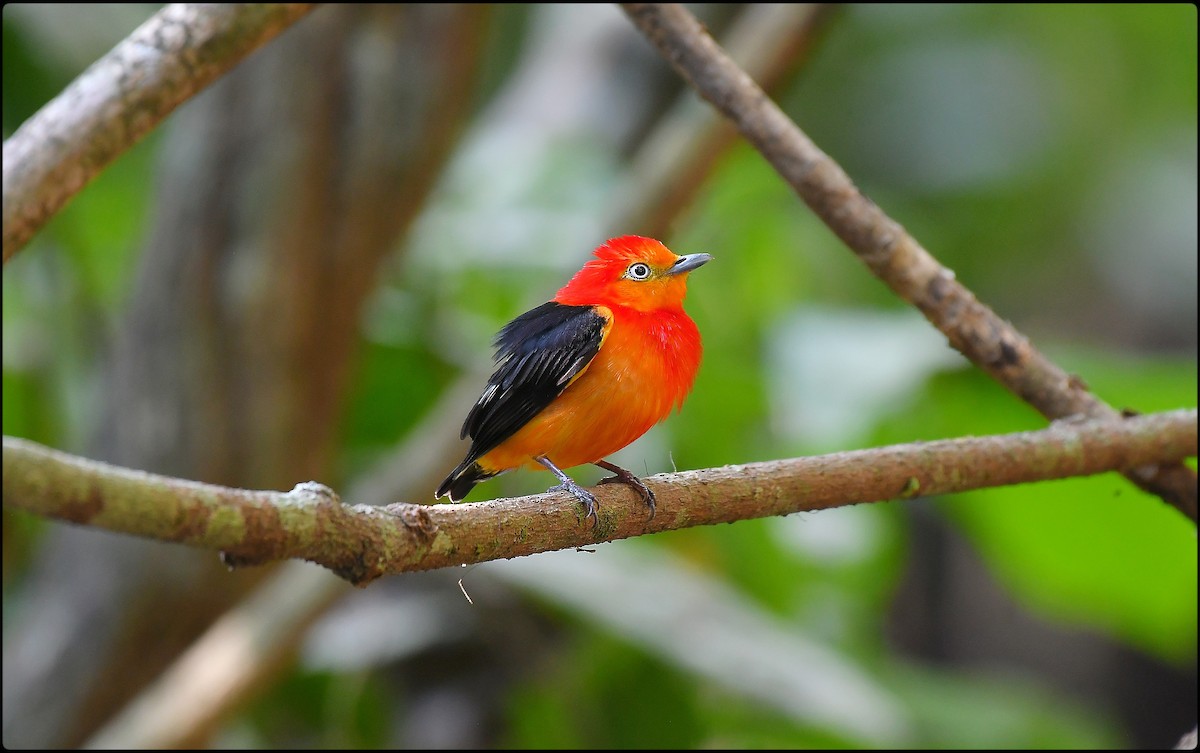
638 271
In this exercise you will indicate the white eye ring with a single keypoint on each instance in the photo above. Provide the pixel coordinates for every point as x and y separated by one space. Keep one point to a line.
638 271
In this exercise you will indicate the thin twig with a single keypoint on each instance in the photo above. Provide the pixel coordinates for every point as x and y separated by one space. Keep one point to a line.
671 167
122 97
361 543
887 249
188 699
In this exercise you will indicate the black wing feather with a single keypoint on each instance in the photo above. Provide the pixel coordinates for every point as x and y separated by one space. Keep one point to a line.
537 355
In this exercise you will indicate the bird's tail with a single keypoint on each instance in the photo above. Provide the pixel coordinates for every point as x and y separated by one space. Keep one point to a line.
461 480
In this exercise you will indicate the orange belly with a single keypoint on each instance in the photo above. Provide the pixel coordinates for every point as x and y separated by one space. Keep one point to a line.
644 369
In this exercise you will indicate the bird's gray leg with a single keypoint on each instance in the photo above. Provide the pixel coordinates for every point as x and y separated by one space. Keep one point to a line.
569 485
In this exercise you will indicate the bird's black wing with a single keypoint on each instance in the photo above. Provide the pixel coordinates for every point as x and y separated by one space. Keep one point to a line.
537 356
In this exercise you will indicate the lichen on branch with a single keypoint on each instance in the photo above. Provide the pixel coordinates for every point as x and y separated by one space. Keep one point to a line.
362 542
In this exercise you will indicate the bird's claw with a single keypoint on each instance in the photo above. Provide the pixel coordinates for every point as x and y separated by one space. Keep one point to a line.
586 498
625 477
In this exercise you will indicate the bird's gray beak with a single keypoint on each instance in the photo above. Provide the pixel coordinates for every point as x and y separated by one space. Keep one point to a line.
688 263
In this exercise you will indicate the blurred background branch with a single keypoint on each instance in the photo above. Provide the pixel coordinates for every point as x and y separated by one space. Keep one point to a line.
122 97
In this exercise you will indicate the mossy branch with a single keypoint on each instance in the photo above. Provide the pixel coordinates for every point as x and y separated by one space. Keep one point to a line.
361 543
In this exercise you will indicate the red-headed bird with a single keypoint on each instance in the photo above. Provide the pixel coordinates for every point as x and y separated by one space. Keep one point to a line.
587 373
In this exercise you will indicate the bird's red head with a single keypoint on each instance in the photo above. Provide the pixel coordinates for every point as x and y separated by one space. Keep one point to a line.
639 273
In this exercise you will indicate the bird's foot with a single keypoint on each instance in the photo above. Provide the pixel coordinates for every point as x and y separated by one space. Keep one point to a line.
583 495
626 477
568 485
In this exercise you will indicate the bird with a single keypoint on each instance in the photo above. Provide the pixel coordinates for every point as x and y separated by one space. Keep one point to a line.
587 373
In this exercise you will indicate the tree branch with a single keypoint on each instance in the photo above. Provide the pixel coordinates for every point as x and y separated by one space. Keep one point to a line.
361 543
122 97
772 41
882 243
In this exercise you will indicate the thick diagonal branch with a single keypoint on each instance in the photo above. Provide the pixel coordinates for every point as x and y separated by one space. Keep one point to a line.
122 97
882 243
361 543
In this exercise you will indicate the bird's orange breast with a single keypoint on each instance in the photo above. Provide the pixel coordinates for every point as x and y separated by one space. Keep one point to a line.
645 368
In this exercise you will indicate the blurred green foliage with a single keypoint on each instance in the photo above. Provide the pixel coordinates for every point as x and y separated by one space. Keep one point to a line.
988 131
1092 551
